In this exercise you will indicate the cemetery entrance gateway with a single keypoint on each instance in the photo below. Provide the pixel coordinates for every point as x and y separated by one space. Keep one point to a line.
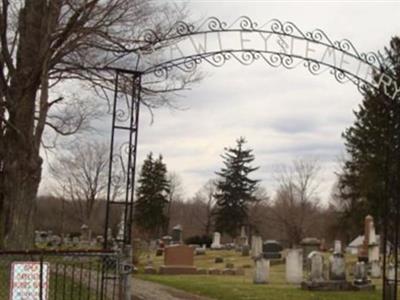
275 43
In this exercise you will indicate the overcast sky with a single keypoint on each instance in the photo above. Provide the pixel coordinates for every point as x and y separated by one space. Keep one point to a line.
284 114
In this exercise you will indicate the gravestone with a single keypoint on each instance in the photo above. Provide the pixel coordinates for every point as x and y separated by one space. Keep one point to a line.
256 246
178 259
294 266
216 244
361 281
317 267
177 234
272 250
167 239
309 245
337 267
200 250
337 247
376 269
243 240
75 241
369 251
261 270
85 232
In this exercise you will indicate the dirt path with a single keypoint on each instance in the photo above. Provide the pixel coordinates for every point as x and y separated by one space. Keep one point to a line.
145 290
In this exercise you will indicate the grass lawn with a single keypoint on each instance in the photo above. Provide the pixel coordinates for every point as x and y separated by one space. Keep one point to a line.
242 287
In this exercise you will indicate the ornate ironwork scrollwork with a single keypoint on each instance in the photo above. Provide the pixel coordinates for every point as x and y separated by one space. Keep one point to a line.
274 59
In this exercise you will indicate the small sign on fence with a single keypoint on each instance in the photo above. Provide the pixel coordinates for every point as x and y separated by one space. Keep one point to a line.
26 283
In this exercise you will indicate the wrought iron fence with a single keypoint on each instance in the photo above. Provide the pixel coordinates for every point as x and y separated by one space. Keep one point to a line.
59 275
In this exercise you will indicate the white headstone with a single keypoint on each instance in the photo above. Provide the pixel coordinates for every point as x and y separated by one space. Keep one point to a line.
372 234
338 247
256 246
337 267
243 240
261 271
216 244
317 267
360 273
294 266
373 253
376 269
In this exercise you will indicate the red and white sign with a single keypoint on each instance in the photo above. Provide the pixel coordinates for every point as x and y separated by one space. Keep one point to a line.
25 281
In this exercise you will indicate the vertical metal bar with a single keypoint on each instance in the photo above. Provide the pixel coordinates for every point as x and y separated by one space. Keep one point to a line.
129 183
105 278
110 163
55 282
72 282
64 281
114 285
89 279
137 111
80 281
97 281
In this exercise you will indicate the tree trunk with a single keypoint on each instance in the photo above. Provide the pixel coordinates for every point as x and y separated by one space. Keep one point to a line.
21 181
21 163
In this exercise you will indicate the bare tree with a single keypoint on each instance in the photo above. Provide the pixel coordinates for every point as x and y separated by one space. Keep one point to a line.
204 202
81 175
175 194
48 44
296 201
257 209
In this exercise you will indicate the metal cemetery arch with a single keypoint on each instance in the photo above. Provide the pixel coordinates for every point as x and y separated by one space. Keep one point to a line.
276 46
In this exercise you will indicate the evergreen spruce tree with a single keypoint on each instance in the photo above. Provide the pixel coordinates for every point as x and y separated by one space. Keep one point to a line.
152 197
235 190
371 170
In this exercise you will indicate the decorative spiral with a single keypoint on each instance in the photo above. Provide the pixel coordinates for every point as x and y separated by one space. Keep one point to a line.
274 60
121 115
291 29
217 59
245 23
245 58
149 36
288 62
214 24
182 28
346 46
161 71
313 67
340 76
371 58
319 36
124 149
190 64
276 26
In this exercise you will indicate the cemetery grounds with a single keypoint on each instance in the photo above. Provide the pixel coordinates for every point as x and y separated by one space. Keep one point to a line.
224 287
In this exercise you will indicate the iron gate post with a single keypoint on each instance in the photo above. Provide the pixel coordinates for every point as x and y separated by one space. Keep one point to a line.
129 126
